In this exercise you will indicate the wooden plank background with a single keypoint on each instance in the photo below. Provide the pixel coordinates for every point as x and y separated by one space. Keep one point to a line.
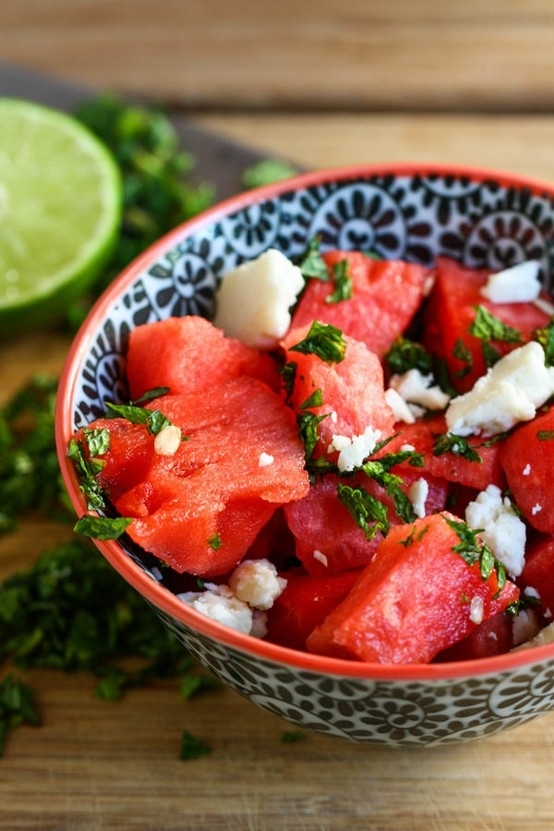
355 55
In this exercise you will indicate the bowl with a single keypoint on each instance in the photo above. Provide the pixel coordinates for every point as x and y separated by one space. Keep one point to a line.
412 211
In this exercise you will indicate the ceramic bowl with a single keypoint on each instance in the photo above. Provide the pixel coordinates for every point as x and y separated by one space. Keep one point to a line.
416 212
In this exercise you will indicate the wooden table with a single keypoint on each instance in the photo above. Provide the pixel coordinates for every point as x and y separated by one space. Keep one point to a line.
324 84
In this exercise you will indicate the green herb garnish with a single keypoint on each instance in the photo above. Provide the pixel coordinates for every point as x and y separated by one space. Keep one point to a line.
192 747
266 172
406 354
545 435
545 337
451 443
154 420
487 327
102 528
312 265
323 340
475 552
215 542
342 283
17 707
87 469
368 512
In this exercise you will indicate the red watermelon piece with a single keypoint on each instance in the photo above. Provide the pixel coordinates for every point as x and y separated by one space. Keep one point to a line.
451 466
450 311
200 509
412 601
386 295
352 391
328 540
304 604
527 457
538 574
189 354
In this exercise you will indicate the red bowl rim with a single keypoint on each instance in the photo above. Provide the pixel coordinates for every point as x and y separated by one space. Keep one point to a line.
157 594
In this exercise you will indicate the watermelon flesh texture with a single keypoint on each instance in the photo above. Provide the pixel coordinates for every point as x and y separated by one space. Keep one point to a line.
412 601
450 311
527 457
348 407
386 295
200 509
186 354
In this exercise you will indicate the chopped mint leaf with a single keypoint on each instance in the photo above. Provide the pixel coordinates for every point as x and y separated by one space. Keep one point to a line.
545 337
192 747
451 443
266 172
488 327
323 340
342 282
154 420
312 265
406 354
368 512
102 528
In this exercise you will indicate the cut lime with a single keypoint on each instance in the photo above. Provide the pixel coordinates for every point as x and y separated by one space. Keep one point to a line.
60 210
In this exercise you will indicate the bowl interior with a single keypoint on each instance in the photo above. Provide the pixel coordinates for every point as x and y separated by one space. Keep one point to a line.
481 218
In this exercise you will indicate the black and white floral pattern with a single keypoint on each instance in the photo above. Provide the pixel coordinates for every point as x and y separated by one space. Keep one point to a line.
415 216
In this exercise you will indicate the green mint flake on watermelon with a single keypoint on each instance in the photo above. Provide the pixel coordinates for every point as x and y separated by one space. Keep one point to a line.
475 551
368 512
312 265
545 337
463 354
101 527
307 428
288 377
150 395
215 542
451 443
545 435
97 441
487 327
406 354
392 484
323 340
342 282
87 470
154 420
314 400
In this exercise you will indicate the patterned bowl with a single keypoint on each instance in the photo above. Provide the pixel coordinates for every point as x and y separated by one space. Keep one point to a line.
416 212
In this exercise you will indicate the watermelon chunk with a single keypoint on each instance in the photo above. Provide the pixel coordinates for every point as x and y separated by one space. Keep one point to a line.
538 574
450 311
304 604
189 354
328 539
453 467
386 295
413 600
349 407
200 509
527 457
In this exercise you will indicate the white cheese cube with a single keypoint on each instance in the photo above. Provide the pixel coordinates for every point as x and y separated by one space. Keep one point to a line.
254 299
416 388
417 494
518 284
509 393
500 527
257 583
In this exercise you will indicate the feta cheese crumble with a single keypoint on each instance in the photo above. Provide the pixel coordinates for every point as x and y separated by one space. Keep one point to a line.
399 406
321 558
353 451
517 284
257 583
509 393
417 494
254 299
220 604
500 527
476 610
265 460
419 390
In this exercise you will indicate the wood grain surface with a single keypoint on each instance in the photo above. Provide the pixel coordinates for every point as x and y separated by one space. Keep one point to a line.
427 54
468 83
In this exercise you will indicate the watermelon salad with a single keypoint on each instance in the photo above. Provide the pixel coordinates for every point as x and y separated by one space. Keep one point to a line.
353 459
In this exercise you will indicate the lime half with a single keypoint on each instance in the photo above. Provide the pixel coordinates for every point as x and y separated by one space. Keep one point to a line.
60 210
